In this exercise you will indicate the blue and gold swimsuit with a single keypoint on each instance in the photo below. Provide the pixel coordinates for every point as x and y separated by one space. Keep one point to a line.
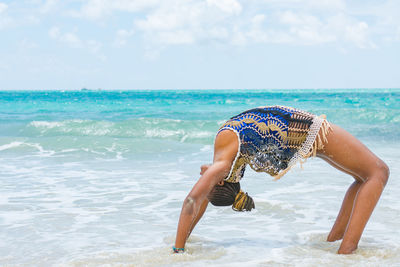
273 139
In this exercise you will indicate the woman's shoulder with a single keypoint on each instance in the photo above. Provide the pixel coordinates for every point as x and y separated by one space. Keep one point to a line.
226 145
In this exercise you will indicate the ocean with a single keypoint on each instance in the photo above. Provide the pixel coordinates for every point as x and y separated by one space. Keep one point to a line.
97 178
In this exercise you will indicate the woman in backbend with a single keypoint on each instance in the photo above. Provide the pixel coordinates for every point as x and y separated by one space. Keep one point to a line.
272 139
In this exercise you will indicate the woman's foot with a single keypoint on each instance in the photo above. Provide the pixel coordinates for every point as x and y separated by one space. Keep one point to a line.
347 249
334 237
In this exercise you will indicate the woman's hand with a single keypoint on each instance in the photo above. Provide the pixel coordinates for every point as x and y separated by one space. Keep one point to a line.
203 168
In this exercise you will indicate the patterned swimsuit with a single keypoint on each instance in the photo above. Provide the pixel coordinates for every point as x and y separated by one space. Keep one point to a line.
272 139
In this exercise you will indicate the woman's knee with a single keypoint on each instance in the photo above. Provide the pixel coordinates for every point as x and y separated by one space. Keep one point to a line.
381 172
385 172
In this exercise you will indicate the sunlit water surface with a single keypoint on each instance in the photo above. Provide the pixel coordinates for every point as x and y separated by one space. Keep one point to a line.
97 178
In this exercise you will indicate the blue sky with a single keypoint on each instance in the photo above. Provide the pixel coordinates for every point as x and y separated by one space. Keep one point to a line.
199 44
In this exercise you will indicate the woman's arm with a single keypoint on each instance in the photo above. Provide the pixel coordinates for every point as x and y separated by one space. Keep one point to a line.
194 205
196 198
203 206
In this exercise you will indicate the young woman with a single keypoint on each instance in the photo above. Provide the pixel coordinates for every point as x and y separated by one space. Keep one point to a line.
272 139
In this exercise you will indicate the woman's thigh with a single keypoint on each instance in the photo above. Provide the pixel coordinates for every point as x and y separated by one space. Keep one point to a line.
345 152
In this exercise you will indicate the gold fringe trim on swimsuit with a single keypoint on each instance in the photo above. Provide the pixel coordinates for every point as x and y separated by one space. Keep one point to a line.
318 144
322 138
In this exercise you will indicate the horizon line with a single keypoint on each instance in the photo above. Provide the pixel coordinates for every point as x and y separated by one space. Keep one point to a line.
200 89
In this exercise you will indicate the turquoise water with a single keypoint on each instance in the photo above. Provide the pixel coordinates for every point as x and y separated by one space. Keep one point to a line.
93 178
183 114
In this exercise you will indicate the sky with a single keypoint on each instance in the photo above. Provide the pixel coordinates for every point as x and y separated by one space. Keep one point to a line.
199 44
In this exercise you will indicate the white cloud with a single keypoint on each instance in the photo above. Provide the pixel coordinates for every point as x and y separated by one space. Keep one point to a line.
98 9
305 28
238 22
48 6
69 38
122 36
228 6
27 44
295 22
54 32
357 33
178 14
292 18
94 46
95 9
258 19
177 37
20 14
72 40
187 22
5 20
152 53
397 37
301 28
3 7
219 33
326 4
350 30
320 5
257 33
161 20
386 19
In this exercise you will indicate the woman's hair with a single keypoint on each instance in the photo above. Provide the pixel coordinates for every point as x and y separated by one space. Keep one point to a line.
230 194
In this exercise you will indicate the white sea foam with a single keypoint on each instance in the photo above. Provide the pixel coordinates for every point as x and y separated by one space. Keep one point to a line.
36 146
11 145
163 133
46 124
206 148
83 211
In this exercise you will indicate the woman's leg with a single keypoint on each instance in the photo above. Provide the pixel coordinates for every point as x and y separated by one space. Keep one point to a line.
348 154
343 217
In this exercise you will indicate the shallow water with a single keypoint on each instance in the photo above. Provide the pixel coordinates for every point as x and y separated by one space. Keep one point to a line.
94 178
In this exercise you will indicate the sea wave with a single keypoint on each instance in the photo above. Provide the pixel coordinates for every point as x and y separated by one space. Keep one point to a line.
153 128
361 123
81 139
26 145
